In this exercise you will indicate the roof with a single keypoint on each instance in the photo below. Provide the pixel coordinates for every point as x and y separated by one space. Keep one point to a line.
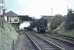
11 13
25 17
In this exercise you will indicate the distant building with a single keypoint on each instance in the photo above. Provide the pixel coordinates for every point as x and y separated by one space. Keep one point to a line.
11 17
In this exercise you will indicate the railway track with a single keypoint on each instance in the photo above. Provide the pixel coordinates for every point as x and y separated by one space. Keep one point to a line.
33 42
67 40
62 44
62 36
41 44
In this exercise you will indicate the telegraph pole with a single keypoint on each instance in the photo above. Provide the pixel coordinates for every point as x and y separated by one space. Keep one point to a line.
2 12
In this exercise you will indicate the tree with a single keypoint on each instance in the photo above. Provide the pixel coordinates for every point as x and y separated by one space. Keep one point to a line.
69 22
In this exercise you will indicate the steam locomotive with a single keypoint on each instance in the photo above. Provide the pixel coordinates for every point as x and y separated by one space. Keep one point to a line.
40 25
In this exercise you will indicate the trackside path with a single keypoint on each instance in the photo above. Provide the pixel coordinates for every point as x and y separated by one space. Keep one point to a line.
23 43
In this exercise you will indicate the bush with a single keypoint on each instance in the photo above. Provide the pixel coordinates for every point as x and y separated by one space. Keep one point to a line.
56 21
7 35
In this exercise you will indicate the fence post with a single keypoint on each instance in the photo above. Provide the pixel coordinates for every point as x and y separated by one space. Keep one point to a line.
13 47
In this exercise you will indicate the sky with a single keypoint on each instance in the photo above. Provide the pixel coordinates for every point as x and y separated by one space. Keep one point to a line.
39 7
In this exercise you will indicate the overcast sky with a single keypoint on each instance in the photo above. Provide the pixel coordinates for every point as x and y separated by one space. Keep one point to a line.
39 7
